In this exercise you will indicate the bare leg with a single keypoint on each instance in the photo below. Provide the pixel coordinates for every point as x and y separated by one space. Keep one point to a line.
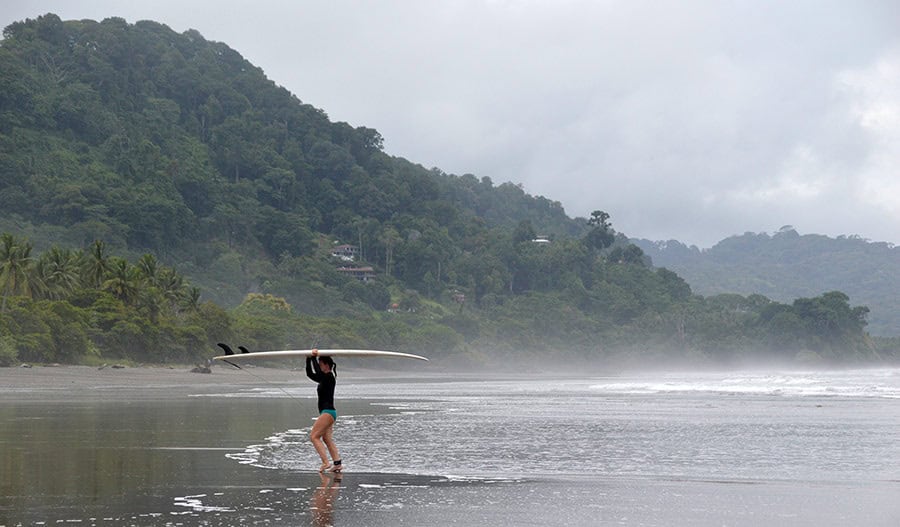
329 442
322 425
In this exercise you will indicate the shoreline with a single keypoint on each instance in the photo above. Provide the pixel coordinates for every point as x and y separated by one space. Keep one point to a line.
78 382
74 381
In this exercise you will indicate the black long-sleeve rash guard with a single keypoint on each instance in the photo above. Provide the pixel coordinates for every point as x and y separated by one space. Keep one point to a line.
326 382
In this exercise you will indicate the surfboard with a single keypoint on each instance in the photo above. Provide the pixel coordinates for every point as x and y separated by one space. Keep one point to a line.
287 354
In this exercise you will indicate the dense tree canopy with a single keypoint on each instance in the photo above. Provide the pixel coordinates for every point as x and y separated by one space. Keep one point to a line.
178 153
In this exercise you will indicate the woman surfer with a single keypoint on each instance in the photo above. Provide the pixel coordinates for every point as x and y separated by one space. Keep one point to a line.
323 370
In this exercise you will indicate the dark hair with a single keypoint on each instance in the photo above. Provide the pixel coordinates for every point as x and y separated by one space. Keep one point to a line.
330 362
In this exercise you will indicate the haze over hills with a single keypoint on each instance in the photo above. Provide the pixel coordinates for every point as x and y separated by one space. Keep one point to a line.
787 265
169 146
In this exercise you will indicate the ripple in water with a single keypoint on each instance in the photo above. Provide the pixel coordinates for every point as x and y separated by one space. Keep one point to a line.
811 427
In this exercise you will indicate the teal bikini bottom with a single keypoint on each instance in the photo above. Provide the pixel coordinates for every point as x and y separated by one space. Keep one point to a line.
332 413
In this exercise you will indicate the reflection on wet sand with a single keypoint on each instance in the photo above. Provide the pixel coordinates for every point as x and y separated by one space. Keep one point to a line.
322 502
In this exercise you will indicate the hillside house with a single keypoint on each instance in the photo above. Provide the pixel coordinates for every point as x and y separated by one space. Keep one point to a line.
363 274
347 253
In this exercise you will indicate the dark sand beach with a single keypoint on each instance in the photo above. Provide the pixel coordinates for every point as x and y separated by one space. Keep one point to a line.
37 382
163 446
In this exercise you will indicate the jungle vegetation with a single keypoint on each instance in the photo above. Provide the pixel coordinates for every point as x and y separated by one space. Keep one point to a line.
158 194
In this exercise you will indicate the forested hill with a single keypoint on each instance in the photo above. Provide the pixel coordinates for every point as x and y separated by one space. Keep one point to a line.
154 140
137 163
787 265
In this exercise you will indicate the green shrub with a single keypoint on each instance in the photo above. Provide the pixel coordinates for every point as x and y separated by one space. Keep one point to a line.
8 353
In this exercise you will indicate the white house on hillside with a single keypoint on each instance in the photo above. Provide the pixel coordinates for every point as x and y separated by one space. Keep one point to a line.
347 253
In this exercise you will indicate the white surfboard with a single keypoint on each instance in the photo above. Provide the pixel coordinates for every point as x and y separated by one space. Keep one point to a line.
286 354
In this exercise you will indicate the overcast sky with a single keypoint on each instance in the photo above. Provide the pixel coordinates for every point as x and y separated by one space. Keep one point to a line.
688 120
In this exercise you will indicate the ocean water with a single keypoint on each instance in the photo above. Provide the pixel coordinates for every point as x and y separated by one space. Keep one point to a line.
700 449
808 427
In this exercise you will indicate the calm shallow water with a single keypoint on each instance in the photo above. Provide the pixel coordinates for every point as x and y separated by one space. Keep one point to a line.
799 427
799 448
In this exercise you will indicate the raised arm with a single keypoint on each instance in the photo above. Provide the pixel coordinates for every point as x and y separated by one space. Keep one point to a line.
312 368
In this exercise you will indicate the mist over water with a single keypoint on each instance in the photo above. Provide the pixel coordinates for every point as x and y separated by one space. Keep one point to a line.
878 383
748 426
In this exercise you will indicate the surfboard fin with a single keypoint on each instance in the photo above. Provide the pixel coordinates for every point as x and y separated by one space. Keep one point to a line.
243 349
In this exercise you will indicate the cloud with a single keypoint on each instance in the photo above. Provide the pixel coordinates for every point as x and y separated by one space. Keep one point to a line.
875 94
689 120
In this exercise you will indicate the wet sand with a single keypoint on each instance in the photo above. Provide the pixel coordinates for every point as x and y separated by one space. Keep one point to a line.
47 382
137 446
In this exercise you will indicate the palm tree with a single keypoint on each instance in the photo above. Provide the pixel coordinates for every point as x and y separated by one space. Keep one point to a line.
124 280
37 282
15 260
96 264
149 268
191 300
171 285
56 273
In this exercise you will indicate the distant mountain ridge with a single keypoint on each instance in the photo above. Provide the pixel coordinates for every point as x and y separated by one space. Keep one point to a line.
165 147
787 265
